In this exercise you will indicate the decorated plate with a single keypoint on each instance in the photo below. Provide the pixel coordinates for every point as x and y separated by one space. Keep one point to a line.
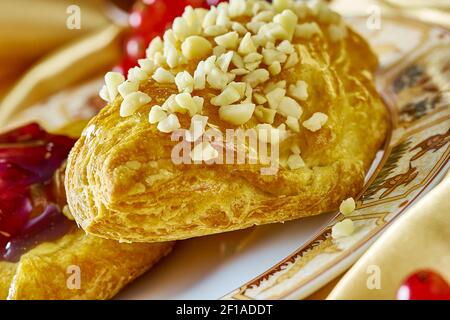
294 259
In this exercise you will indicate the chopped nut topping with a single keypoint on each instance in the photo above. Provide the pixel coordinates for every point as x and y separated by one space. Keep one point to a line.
147 65
259 98
299 91
169 124
210 18
275 96
237 114
264 16
213 31
189 103
237 8
156 114
112 81
288 20
316 121
217 79
184 82
280 5
204 152
254 26
228 96
239 28
347 206
286 47
256 77
196 47
229 40
290 107
128 87
161 75
342 229
132 102
224 60
293 124
156 45
265 115
246 46
137 74
291 61
275 68
272 55
200 76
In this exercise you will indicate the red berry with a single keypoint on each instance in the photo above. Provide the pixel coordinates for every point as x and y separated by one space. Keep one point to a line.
148 19
125 64
424 285
196 3
135 47
150 16
214 2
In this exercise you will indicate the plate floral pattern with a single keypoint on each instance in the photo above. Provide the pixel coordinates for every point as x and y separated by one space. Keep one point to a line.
414 79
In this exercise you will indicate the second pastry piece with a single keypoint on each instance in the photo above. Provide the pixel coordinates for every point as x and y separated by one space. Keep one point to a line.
295 71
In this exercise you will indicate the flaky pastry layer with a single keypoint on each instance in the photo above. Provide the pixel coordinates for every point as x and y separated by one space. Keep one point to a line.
48 271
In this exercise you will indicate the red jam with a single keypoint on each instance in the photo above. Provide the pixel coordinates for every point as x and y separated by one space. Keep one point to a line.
30 212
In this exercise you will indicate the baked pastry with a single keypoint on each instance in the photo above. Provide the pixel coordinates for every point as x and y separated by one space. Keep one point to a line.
43 255
294 74
105 266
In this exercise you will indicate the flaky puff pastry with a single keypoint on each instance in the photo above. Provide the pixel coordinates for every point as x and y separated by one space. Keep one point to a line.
104 268
122 184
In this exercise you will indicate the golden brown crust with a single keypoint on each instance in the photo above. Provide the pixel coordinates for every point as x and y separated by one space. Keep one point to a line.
106 266
160 201
7 271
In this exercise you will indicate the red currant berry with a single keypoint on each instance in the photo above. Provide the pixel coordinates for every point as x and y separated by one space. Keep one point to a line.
125 64
424 285
149 16
135 47
214 2
196 3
